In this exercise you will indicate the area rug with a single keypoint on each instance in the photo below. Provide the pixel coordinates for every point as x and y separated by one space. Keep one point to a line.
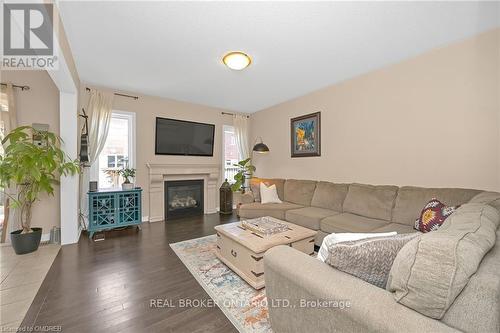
244 306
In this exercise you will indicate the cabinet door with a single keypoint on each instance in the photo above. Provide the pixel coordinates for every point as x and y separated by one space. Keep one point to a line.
103 213
129 204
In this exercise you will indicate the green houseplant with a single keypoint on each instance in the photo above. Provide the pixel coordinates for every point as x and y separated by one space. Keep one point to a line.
245 171
127 173
33 168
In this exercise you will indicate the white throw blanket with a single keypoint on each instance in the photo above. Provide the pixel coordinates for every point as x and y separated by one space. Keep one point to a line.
345 237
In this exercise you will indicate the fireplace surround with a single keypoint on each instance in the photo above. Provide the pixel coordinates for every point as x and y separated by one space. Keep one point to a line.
160 173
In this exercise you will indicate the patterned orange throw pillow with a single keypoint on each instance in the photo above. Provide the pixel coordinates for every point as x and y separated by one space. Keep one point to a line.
433 215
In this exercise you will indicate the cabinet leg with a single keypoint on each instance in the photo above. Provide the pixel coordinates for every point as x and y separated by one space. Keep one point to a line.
139 228
91 235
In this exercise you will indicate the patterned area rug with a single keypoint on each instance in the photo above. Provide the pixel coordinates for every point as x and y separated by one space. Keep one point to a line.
244 306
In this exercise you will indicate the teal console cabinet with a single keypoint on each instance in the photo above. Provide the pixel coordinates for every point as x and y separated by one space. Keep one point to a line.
109 209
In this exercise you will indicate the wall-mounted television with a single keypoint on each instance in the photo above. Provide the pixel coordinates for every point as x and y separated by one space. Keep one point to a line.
180 137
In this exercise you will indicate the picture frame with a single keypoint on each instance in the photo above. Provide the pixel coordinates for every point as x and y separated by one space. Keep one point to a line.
305 135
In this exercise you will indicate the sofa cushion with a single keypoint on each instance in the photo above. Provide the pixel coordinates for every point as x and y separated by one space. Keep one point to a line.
299 192
488 198
308 217
369 259
410 200
256 209
371 201
255 186
430 271
397 227
347 222
329 195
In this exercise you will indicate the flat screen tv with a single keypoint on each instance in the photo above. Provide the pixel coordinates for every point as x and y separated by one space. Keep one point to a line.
180 137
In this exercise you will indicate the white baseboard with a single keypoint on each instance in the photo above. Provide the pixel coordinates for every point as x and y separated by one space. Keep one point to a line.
145 218
152 219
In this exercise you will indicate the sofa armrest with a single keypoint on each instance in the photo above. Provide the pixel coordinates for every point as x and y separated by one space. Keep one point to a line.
295 282
246 197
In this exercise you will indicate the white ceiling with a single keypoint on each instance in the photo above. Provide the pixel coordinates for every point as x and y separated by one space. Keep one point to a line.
174 49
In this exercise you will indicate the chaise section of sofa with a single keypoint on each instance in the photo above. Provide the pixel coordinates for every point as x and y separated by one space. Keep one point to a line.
349 304
314 293
367 308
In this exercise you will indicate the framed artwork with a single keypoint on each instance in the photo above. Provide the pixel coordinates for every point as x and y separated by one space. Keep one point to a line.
305 136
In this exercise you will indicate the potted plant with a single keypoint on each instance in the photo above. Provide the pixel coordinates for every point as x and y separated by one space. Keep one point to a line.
127 173
33 169
245 171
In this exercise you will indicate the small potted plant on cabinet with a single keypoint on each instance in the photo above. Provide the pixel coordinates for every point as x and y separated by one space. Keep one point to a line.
30 169
127 173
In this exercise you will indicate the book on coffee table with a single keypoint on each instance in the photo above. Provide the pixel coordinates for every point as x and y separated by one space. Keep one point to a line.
265 226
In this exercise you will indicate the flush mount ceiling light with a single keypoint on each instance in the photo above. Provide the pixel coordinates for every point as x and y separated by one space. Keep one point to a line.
237 60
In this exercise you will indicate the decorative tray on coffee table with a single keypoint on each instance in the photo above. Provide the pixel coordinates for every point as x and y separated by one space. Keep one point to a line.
265 226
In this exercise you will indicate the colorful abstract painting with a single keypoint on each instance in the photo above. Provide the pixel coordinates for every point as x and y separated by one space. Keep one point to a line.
305 135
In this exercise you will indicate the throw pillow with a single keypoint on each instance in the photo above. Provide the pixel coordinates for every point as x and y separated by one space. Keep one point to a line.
269 194
369 259
334 238
255 188
433 215
430 272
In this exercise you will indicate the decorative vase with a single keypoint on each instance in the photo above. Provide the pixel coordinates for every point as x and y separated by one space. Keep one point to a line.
26 243
127 186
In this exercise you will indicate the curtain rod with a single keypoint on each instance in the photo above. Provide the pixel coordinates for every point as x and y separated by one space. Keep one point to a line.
231 114
16 86
118 94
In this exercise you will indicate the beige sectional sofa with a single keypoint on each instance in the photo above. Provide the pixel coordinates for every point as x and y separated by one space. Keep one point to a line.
328 207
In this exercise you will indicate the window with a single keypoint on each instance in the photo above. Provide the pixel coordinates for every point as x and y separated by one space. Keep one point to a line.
116 161
230 153
4 107
118 151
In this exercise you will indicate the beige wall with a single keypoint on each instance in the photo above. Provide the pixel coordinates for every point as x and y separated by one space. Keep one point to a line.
146 109
40 104
429 121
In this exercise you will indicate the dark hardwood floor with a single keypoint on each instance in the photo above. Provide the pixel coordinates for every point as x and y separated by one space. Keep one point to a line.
106 286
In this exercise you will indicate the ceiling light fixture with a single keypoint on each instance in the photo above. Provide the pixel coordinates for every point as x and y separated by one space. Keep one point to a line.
237 60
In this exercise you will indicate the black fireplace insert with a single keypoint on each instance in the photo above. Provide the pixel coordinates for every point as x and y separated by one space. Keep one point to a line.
183 198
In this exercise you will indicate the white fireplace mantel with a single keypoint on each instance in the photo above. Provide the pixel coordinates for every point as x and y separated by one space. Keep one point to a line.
159 173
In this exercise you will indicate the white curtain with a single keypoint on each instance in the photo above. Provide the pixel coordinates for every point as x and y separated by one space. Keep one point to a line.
99 109
240 123
8 121
8 114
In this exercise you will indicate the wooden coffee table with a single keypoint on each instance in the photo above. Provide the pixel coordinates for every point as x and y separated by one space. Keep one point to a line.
243 250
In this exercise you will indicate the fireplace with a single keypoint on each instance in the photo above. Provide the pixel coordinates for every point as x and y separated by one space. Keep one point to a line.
183 198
